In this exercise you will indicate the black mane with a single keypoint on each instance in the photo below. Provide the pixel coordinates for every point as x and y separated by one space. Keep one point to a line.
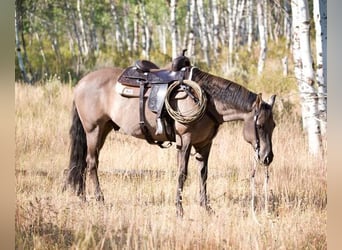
229 93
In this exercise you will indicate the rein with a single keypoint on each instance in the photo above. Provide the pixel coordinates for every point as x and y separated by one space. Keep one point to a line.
256 161
257 138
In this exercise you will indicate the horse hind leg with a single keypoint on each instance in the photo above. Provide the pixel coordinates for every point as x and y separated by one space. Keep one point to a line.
95 141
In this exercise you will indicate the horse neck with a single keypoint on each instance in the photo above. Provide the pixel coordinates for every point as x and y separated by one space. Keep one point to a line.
229 100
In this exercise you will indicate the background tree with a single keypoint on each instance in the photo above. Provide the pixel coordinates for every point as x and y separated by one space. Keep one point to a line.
262 25
18 33
320 18
305 74
174 30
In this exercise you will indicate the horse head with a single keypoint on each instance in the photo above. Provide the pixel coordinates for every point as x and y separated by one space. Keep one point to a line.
258 129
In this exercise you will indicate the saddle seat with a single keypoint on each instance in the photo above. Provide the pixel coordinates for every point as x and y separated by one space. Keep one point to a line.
147 72
145 65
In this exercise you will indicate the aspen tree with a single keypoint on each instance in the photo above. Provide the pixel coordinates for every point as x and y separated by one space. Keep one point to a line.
320 17
305 74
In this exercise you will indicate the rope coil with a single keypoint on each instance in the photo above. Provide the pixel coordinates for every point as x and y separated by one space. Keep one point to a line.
192 114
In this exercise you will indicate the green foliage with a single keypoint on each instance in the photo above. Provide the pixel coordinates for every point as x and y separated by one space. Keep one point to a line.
49 29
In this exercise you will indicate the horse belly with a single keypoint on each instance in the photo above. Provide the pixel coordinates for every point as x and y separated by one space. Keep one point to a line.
126 114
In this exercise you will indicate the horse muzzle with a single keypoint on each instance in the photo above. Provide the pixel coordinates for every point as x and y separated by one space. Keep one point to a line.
268 159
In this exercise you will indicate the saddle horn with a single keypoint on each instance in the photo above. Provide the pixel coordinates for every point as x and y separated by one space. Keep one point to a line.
180 62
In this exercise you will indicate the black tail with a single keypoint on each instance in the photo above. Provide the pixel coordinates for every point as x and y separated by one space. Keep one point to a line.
78 154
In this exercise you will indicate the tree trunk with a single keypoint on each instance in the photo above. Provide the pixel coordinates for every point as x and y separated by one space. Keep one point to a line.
51 29
304 73
262 36
18 48
136 29
161 29
320 17
118 37
93 34
71 17
127 37
83 37
239 16
174 31
215 28
146 40
191 35
250 24
204 32
287 23
42 53
232 6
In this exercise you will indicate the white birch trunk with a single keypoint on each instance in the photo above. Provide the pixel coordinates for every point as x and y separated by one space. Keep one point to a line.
262 36
83 34
136 29
18 48
187 26
204 32
305 74
287 23
238 18
250 24
162 38
118 37
216 27
126 36
41 50
174 31
191 35
320 17
267 22
146 33
232 6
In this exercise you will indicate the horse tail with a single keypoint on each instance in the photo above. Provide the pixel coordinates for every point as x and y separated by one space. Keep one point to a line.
78 154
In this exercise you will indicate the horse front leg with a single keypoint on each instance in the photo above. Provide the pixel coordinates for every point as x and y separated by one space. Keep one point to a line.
202 159
183 153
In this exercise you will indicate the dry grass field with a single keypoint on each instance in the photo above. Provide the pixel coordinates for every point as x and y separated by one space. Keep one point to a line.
139 184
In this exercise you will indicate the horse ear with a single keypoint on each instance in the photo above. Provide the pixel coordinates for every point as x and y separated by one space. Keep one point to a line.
258 101
271 101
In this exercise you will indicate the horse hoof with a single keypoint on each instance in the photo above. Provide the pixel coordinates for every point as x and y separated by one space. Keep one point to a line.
209 210
82 198
100 198
180 212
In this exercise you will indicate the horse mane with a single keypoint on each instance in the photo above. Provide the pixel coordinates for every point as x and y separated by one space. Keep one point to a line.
227 92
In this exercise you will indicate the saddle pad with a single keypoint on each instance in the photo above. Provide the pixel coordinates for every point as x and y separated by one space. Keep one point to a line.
126 91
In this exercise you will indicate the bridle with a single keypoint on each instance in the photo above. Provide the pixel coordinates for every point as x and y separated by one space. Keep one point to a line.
257 138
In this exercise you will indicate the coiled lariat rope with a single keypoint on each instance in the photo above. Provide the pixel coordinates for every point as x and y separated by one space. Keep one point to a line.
193 114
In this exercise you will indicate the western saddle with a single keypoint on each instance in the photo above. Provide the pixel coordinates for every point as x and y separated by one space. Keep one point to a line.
135 80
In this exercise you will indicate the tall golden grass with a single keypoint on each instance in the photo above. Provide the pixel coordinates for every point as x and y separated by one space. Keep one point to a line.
139 184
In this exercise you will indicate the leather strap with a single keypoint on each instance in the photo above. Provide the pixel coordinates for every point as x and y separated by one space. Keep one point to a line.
143 127
142 113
